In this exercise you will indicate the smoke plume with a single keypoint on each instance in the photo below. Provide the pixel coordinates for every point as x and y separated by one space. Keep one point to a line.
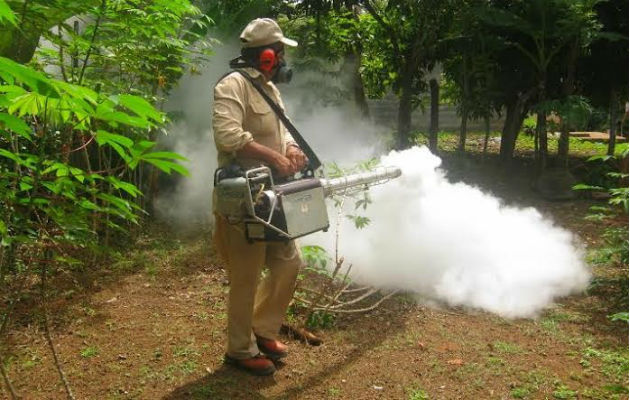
457 245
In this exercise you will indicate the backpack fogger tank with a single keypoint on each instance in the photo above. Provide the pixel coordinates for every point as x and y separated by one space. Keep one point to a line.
273 212
283 211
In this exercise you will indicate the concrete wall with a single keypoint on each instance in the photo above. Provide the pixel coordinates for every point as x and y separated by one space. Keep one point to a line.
385 112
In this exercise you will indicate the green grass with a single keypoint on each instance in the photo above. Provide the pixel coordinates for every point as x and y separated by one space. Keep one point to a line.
448 141
563 392
520 392
334 392
507 347
89 352
613 364
418 394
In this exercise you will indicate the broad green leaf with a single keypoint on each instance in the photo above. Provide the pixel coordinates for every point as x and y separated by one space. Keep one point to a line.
15 124
115 117
25 186
168 166
12 89
78 174
31 78
76 91
10 156
115 141
88 205
27 104
141 107
165 155
599 158
124 186
103 137
6 14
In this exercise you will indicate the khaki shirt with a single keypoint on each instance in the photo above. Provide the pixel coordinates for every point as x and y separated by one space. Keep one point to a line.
241 115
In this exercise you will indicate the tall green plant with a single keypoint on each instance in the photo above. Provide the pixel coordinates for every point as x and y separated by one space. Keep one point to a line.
72 146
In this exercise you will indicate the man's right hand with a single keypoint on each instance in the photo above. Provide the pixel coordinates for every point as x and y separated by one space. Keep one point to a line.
283 166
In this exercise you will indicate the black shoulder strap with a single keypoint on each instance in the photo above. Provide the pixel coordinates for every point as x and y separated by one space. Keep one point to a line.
313 160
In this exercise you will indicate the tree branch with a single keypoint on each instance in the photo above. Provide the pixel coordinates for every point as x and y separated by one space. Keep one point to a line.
89 50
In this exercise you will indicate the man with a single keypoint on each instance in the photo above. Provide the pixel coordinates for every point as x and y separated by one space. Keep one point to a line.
249 133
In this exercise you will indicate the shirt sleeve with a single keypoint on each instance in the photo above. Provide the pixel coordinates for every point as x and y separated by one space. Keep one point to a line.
227 115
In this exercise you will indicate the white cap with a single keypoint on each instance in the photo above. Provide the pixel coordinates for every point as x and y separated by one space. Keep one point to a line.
262 32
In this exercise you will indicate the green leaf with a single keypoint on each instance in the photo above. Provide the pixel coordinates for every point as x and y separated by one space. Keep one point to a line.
28 76
15 124
124 186
6 14
115 141
167 166
620 316
141 107
165 155
115 117
79 174
76 91
30 103
10 156
599 158
104 137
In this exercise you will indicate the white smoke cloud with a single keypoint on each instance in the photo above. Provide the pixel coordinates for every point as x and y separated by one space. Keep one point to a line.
453 243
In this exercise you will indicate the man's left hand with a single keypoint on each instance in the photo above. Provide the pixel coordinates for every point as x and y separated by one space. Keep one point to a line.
297 157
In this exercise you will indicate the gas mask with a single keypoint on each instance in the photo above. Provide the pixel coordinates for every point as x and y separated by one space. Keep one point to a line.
283 73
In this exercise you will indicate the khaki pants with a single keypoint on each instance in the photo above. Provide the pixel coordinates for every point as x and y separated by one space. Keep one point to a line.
255 307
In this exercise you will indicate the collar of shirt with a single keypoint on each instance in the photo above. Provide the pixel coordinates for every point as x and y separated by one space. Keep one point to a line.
254 73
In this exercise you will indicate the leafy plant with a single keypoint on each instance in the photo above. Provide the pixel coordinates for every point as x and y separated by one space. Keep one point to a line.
73 146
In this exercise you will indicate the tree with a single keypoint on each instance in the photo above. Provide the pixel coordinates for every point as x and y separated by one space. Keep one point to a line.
402 45
470 67
602 71
329 34
33 18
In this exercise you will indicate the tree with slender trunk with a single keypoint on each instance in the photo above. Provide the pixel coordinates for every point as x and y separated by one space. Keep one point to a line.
414 31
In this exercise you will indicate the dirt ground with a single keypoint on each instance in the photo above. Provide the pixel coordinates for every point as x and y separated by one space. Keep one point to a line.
151 325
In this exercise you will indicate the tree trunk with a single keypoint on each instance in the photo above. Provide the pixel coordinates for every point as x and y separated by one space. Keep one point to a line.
487 137
613 123
462 131
351 67
569 88
19 46
404 110
510 130
563 147
435 115
516 113
541 139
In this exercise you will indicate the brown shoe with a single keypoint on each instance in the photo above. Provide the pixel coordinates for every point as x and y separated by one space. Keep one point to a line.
274 349
258 365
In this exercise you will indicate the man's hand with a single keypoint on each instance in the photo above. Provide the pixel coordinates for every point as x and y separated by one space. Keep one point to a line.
297 157
283 165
